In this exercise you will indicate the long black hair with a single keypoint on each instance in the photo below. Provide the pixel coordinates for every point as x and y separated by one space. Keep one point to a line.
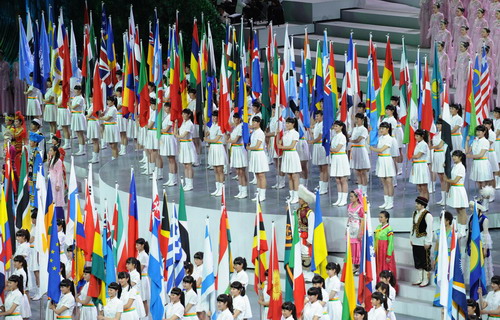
125 275
343 128
383 286
386 125
386 214
490 122
461 154
227 299
24 263
388 275
361 311
238 286
55 157
191 281
423 133
394 110
380 297
333 266
362 116
242 261
457 107
473 304
178 292
483 129
136 263
68 284
294 122
290 307
117 287
62 223
18 280
144 243
313 291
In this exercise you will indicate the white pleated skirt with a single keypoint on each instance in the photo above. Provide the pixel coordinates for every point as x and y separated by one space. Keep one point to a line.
319 157
339 165
33 108
142 133
438 160
385 167
88 313
196 132
145 288
111 134
290 162
399 135
129 315
122 122
131 129
457 197
78 121
271 150
239 156
93 129
50 113
63 117
168 145
497 148
303 150
359 157
481 170
456 141
187 152
258 161
419 173
33 260
25 308
217 155
152 141
334 309
492 157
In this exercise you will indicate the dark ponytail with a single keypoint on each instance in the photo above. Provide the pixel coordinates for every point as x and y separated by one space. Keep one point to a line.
137 265
461 154
394 111
344 129
228 300
238 286
380 297
388 275
22 260
125 275
362 116
386 125
242 261
333 266
180 293
144 243
423 133
290 307
68 284
191 281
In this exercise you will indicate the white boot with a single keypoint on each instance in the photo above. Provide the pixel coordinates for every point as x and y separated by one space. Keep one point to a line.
295 197
105 145
239 192
382 206
323 187
189 185
216 189
497 182
425 279
390 203
67 144
431 186
282 182
159 174
492 197
443 199
343 200
144 157
169 181
123 150
254 180
148 169
339 198
399 166
419 277
262 195
219 190
244 192
81 150
257 194
486 204
175 180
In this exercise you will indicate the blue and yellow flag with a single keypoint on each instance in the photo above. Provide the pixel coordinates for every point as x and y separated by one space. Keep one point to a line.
54 266
319 248
475 251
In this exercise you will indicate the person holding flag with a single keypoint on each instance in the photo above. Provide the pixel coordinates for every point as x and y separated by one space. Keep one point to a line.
152 144
88 311
491 304
93 130
239 156
78 121
457 123
187 151
114 306
111 132
492 155
457 195
305 216
420 170
481 168
360 160
438 154
128 295
272 133
258 163
13 300
217 156
49 109
332 284
64 308
291 161
386 170
34 96
168 145
340 168
239 282
319 157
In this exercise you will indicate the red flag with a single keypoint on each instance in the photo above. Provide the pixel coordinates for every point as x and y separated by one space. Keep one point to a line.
97 102
64 53
89 225
143 92
427 111
274 282
175 93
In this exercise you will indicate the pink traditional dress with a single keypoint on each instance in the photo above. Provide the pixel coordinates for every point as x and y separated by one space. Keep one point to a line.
458 22
384 249
479 23
434 27
472 8
57 180
5 94
491 9
445 36
444 66
355 216
425 12
452 8
460 76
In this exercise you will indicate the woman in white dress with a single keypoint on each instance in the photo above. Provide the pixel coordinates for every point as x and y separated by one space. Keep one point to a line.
313 310
420 169
88 310
94 131
339 168
379 307
114 306
66 304
239 304
332 284
142 247
217 156
239 156
21 269
187 151
457 195
191 298
456 126
272 133
63 118
111 132
225 307
303 149
319 156
383 288
391 117
439 148
291 160
78 121
174 310
492 155
49 109
153 144
133 266
169 146
481 168
319 282
12 307
239 275
360 313
128 295
360 161
122 121
491 304
258 163
385 166
34 95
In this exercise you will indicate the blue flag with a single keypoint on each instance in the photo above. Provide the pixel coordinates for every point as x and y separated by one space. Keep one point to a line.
45 51
371 103
304 95
477 274
108 253
54 266
155 270
38 81
25 56
436 86
458 296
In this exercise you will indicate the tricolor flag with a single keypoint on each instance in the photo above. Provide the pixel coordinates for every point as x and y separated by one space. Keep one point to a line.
133 217
23 217
388 80
259 249
446 130
367 266
349 302
320 250
475 252
371 103
73 204
256 78
412 116
225 262
295 264
119 236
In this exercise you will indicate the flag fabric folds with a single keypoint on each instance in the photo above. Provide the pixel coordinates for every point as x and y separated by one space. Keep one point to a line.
319 249
475 251
259 249
274 281
54 265
349 302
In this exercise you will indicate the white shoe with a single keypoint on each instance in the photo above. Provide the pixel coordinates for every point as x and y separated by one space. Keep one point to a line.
390 203
244 192
149 169
443 199
343 200
239 192
174 181
262 195
382 206
234 177
123 150
104 146
256 195
425 279
295 197
189 185
219 190
254 181
339 198
216 189
323 187
160 174
169 181
95 158
419 277
81 150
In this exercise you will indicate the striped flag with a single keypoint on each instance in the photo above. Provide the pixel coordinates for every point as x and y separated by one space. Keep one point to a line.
6 229
164 235
23 218
225 262
367 266
371 103
470 119
41 240
259 249
288 255
458 294
404 85
274 281
485 88
376 79
349 302
427 122
97 286
442 267
72 205
107 248
446 130
436 85
183 224
412 116
133 218
320 250
195 49
256 78
475 251
295 264
119 236
388 80
208 283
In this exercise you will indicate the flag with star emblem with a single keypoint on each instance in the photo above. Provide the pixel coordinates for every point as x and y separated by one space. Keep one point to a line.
54 265
274 281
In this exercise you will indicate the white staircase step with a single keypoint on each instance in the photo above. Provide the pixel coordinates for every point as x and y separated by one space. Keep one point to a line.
382 17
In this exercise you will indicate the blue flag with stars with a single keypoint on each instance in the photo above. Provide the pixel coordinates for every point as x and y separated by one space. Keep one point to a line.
54 266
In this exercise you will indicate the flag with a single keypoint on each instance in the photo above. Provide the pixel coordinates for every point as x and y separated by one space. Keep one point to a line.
183 224
349 301
119 236
259 249
45 51
427 122
288 256
243 102
41 240
442 268
99 95
319 248
2 270
290 77
24 54
195 50
475 251
97 286
150 58
133 218
318 91
371 103
5 227
256 78
367 266
436 85
155 258
330 101
64 54
458 294
388 80
107 242
295 263
23 217
75 71
179 253
470 119
89 221
208 283
164 235
376 79
225 98
274 281
446 130
38 81
412 116
404 85
304 94
485 88
143 93
225 261
73 203
54 265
